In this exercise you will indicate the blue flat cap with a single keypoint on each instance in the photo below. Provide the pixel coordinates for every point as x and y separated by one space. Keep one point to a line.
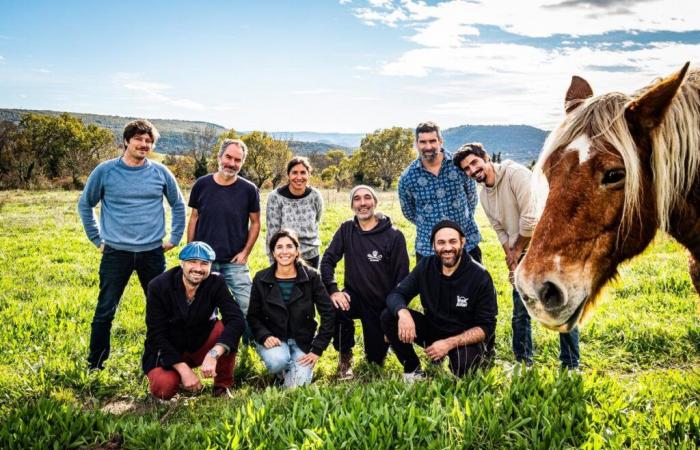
197 250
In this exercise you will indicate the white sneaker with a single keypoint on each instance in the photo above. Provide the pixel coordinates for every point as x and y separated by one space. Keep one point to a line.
416 375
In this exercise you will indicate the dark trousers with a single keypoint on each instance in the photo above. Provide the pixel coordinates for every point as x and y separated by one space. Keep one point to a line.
164 383
522 338
116 268
475 254
462 359
372 333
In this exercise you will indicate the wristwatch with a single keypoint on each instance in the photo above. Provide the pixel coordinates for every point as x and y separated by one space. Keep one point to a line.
213 353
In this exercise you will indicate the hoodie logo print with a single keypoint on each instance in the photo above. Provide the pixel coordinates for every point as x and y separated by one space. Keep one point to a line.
374 256
462 302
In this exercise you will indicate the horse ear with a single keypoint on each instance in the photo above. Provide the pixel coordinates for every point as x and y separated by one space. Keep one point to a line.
579 90
648 111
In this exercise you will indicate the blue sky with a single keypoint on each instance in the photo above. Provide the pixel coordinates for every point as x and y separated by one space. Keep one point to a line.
346 66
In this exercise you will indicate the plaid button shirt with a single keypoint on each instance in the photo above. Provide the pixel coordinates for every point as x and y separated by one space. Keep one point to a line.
427 199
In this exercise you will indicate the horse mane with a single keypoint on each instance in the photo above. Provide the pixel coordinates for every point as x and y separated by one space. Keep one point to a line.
675 146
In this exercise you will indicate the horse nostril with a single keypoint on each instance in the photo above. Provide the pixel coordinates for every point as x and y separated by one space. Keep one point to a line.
550 295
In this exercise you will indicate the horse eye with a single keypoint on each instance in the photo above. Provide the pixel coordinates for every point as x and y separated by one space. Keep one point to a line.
613 176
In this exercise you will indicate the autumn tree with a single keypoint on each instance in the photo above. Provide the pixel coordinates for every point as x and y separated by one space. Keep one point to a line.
384 154
340 174
267 158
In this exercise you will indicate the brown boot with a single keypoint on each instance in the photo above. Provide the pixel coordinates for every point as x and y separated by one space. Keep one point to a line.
345 366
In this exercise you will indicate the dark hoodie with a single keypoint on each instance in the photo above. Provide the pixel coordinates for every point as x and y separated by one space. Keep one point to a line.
375 261
453 304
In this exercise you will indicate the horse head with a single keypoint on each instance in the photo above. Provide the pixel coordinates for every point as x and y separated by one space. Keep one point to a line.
599 199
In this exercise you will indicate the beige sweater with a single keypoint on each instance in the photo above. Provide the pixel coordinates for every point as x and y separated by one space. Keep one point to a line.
509 202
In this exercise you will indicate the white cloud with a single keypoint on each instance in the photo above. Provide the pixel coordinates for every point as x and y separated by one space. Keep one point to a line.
344 2
451 20
153 92
493 82
42 71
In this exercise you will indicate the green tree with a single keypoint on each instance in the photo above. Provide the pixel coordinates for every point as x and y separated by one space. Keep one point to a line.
339 174
267 158
384 154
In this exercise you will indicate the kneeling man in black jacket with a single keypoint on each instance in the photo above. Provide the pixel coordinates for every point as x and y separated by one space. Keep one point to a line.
459 304
183 330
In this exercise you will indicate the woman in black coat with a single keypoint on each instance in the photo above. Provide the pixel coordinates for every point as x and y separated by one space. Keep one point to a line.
283 304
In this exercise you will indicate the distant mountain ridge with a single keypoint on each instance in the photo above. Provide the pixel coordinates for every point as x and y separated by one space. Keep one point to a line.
521 143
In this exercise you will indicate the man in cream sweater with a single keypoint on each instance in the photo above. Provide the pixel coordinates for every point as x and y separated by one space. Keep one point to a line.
507 200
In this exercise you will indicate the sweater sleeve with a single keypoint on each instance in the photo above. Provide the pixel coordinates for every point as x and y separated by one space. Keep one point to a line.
231 316
333 254
90 197
485 315
520 184
319 206
177 206
402 294
326 311
495 223
157 327
400 252
273 218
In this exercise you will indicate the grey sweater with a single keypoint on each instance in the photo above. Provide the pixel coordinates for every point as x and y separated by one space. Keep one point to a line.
301 214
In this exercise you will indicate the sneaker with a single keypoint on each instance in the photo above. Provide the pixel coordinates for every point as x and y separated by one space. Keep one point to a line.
345 366
416 375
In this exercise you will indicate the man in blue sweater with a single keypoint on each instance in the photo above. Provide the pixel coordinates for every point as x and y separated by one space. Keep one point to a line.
130 234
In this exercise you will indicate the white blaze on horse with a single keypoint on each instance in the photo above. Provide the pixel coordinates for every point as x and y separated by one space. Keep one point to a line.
617 169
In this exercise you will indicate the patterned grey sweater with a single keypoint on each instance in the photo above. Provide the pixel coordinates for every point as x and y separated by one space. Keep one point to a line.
301 214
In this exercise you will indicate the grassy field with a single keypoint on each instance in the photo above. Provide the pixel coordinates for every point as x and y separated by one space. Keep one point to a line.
639 388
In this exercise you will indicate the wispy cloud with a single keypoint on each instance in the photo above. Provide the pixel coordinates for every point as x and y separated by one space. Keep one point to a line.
479 57
537 18
44 71
154 91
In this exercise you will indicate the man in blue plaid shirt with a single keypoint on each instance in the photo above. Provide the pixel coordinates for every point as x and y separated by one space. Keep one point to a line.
432 189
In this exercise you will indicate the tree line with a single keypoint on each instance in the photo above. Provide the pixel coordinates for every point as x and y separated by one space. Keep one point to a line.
60 151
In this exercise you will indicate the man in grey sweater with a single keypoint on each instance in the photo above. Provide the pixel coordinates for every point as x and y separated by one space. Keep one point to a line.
130 234
509 206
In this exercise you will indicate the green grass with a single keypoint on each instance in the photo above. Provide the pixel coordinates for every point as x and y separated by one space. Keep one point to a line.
640 386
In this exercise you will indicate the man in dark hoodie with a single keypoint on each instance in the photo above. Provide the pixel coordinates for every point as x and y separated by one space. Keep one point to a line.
459 304
376 260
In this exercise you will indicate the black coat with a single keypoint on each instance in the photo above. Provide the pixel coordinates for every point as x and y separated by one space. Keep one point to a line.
268 315
173 327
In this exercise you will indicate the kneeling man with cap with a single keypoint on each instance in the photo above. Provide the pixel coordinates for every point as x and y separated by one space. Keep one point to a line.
183 329
459 304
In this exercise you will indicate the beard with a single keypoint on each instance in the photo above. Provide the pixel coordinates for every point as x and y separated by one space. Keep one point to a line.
195 277
429 155
450 258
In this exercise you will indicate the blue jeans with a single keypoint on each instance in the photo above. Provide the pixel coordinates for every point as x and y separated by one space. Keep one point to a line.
522 338
237 278
282 359
116 268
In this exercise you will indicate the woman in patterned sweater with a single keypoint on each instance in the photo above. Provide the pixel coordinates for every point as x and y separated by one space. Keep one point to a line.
297 206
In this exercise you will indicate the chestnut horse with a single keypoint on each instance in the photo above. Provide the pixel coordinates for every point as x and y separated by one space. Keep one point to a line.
617 169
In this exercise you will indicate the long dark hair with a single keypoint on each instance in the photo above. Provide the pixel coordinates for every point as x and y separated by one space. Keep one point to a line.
285 232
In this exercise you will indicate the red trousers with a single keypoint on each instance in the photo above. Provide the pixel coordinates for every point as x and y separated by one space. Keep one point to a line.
164 383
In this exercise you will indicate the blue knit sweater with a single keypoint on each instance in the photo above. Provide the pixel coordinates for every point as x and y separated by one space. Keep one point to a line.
132 216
